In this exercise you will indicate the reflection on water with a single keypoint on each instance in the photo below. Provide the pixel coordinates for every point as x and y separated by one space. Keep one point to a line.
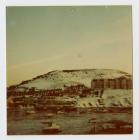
20 123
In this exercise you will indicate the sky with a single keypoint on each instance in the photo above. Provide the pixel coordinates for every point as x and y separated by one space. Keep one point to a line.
42 39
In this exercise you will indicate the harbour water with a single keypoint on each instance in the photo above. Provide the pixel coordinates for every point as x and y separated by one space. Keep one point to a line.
20 123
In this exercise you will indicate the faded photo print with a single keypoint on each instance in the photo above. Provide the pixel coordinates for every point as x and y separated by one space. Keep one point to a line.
69 70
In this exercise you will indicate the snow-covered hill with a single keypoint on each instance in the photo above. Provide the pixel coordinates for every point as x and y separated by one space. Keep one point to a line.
58 79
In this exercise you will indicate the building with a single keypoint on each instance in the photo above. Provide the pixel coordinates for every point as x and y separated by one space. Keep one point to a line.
74 89
114 83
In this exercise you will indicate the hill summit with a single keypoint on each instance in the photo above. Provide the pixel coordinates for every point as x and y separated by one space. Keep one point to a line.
61 78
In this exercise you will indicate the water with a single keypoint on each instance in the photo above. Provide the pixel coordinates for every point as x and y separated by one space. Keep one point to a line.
20 123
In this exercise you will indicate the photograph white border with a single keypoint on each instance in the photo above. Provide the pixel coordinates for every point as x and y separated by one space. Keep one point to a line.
135 21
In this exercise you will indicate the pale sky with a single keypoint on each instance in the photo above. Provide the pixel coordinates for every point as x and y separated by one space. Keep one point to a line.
42 39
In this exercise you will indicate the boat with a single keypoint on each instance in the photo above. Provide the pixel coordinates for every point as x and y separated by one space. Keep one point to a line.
50 128
60 112
30 112
49 115
92 120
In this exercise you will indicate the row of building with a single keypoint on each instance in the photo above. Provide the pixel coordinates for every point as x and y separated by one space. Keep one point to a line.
68 90
115 83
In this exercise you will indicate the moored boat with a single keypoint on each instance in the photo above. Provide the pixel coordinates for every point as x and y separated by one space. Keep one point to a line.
49 115
51 128
30 112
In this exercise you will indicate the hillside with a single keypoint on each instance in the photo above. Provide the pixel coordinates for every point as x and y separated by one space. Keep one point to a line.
111 98
59 79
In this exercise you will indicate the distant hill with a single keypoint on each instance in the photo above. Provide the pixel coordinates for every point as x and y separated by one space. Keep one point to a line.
60 78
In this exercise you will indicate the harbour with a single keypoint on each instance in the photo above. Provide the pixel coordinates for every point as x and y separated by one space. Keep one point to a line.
69 123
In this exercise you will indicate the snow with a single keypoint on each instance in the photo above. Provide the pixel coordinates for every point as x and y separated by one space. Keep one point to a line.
111 98
57 79
119 97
